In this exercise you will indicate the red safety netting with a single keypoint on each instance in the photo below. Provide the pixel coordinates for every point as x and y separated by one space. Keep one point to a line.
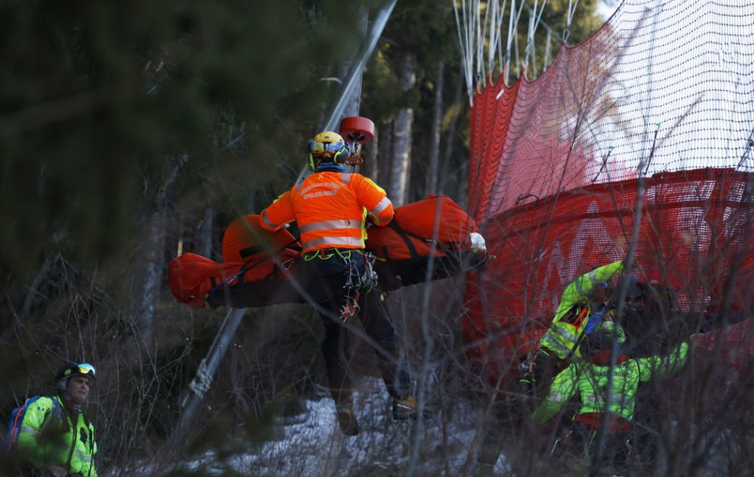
663 96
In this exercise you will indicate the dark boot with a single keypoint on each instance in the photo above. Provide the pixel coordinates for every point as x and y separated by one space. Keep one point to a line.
407 408
347 419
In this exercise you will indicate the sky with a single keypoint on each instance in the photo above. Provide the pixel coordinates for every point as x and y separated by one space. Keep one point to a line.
605 8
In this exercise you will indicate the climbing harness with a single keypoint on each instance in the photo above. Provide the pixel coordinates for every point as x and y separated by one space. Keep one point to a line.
356 282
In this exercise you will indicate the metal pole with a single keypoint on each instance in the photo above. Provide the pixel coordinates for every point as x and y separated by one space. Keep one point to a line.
208 367
354 75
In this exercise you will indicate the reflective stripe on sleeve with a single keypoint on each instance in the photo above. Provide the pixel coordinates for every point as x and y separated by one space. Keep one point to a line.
557 347
560 330
28 430
330 225
267 220
381 205
556 396
83 457
553 338
333 241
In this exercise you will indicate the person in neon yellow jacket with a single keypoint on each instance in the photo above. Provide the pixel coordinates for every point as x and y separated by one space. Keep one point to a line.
55 438
588 378
581 307
582 297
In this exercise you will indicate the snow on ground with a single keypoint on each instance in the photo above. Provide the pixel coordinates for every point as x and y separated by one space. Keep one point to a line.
311 444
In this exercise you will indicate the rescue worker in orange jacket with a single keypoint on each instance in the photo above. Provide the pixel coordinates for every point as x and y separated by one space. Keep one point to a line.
331 208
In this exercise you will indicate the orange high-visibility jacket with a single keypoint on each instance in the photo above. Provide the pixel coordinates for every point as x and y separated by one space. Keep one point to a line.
330 209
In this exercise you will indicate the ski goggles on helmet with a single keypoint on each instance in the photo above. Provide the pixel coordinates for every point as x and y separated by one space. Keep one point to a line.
319 149
85 369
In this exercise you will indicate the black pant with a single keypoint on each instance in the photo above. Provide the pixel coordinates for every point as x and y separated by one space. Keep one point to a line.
616 450
543 367
325 280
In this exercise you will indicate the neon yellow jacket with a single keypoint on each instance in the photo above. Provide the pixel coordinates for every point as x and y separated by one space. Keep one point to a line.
570 319
589 380
46 439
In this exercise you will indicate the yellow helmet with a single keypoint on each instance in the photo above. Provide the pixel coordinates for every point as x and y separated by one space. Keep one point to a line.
327 146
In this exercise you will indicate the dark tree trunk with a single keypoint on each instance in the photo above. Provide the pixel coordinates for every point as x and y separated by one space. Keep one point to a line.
205 233
384 155
371 153
151 261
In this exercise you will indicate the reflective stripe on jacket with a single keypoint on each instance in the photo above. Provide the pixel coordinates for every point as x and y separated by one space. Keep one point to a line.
589 380
61 439
330 209
562 337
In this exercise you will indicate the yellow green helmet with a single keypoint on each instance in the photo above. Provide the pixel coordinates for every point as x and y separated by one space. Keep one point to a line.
327 146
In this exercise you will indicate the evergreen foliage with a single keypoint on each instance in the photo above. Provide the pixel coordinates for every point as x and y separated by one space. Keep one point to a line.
121 123
98 97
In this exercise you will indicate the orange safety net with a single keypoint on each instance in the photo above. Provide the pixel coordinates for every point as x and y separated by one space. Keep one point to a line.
660 98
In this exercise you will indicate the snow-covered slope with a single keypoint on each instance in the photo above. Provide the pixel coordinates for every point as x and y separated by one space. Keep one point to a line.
311 445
